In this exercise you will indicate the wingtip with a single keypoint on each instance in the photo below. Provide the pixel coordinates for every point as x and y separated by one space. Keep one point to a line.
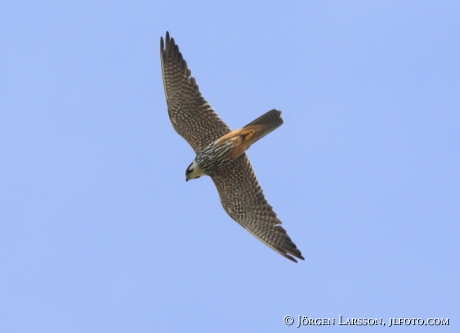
164 42
296 252
294 259
289 250
298 256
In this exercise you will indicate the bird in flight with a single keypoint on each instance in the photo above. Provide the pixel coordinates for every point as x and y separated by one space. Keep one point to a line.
221 152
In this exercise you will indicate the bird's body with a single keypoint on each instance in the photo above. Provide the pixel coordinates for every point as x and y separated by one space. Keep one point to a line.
232 145
220 152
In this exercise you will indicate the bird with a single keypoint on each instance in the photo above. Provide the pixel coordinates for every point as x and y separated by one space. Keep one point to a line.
221 152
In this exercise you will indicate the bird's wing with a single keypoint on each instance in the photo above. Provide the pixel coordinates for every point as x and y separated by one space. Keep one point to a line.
243 199
191 115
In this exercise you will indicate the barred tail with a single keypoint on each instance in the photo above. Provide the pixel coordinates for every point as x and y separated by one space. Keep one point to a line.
270 121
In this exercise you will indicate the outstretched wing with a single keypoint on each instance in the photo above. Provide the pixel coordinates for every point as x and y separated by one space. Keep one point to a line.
244 200
191 115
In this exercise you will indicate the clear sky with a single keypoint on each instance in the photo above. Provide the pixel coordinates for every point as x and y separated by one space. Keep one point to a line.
99 232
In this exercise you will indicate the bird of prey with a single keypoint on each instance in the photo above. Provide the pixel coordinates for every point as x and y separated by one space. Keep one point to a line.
220 152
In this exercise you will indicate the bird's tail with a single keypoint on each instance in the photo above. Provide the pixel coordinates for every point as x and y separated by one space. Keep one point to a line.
270 122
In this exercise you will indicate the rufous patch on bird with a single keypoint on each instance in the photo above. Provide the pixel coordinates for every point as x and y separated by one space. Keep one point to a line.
241 139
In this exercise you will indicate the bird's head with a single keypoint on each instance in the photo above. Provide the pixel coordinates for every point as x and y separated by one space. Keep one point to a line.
193 171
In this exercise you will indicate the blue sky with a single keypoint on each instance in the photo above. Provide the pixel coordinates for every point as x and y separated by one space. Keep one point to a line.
100 232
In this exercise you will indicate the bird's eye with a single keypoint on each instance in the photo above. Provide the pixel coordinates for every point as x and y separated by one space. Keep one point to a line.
188 169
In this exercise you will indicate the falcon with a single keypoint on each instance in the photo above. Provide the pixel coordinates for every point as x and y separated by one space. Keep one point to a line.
221 152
